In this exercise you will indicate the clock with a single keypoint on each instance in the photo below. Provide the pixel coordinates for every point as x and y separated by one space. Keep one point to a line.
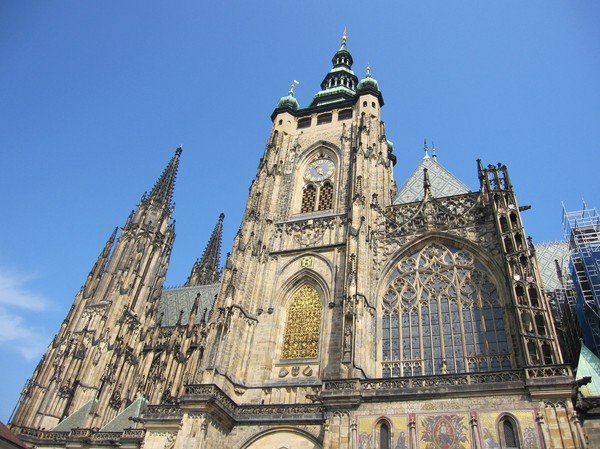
319 170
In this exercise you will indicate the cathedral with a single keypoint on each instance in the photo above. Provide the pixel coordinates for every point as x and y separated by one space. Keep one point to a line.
350 313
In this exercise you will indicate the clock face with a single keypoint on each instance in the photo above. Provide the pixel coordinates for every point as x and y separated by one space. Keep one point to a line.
319 170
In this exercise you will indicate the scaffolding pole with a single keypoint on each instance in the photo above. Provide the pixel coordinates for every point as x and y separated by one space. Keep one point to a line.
582 231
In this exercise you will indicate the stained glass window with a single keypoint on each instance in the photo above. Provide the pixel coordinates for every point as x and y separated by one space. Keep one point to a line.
441 314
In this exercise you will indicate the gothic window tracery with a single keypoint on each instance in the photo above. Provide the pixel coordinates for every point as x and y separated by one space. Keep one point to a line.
303 325
441 314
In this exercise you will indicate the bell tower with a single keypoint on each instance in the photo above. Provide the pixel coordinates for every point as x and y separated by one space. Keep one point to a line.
291 302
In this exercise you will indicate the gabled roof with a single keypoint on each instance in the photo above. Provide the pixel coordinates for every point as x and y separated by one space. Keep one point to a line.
10 438
588 366
176 300
122 421
443 183
546 254
77 419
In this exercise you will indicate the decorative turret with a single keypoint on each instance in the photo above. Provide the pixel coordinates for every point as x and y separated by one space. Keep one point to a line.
369 85
289 101
341 82
162 192
206 270
368 82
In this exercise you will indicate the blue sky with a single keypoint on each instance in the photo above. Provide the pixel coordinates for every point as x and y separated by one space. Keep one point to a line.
96 96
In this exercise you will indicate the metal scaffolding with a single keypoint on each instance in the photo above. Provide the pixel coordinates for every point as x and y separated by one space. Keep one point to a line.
582 231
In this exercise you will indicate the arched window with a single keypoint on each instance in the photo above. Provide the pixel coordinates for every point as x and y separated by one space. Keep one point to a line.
317 193
303 325
326 196
309 198
507 429
441 314
384 436
504 224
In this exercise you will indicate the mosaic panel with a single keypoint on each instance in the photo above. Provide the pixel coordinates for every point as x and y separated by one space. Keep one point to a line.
399 431
444 432
489 433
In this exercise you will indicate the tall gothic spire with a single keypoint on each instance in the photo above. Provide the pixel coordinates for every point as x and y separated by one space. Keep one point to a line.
206 270
162 191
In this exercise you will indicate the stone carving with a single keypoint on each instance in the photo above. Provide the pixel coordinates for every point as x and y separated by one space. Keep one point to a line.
281 410
170 442
549 371
97 309
115 399
306 262
65 390
106 436
424 381
163 411
443 213
461 215
347 341
211 391
307 232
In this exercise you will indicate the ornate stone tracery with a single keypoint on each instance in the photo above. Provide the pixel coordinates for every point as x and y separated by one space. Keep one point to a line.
441 314
302 329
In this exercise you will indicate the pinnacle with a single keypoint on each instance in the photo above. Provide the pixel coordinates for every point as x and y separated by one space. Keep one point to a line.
162 192
206 270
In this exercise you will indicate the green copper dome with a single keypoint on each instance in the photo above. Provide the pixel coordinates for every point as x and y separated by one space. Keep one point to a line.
368 82
289 101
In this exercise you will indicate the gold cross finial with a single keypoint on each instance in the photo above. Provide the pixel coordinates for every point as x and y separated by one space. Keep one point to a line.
294 83
344 37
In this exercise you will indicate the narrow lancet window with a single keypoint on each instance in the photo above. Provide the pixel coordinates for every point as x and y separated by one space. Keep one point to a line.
326 196
309 197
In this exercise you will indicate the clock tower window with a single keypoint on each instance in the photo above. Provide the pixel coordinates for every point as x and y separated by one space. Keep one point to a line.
326 196
309 197
317 193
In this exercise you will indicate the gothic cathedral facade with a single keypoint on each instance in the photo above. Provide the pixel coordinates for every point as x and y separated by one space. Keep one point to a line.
349 314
